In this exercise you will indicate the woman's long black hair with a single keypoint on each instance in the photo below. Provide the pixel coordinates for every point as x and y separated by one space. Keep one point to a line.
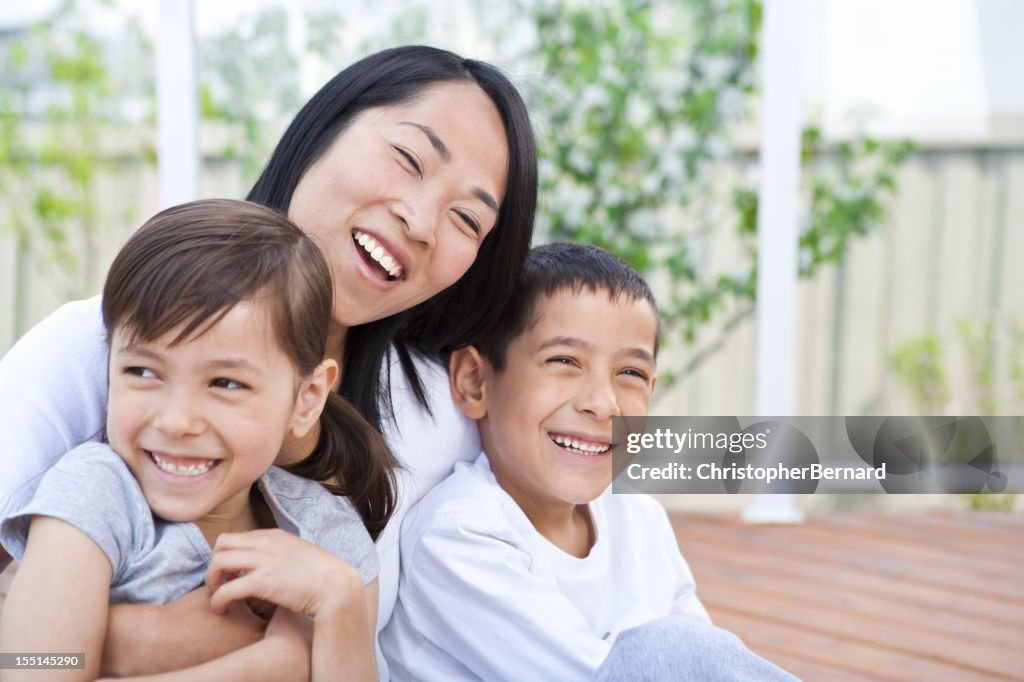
458 314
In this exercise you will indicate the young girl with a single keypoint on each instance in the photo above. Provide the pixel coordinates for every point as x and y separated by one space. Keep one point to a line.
218 314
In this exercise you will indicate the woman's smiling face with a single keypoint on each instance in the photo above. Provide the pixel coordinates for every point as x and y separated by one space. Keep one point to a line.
403 198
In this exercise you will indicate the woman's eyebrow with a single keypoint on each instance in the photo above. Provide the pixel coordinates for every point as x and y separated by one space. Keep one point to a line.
436 142
446 155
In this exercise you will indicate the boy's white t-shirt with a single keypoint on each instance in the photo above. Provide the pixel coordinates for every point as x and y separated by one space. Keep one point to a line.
483 595
53 397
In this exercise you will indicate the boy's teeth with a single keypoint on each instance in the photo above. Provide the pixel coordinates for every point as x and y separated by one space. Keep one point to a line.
181 469
379 254
588 448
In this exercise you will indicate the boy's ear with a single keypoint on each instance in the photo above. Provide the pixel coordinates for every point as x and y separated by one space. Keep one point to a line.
467 376
312 396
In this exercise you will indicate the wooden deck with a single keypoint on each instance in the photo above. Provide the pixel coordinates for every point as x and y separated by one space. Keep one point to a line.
853 595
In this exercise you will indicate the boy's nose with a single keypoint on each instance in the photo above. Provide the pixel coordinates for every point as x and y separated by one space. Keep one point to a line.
599 400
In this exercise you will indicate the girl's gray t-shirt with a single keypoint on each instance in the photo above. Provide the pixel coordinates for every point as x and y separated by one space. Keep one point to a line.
156 561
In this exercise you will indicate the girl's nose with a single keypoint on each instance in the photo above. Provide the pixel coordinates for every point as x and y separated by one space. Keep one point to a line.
179 416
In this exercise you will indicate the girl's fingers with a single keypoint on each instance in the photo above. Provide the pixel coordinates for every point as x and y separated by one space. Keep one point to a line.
227 565
235 590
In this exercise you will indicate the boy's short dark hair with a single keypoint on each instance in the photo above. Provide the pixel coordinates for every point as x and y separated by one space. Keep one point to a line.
553 268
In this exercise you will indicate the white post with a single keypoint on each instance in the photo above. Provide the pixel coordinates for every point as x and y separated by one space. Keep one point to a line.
778 207
177 103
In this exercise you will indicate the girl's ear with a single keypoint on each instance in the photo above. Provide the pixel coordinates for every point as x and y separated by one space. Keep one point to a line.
311 398
467 372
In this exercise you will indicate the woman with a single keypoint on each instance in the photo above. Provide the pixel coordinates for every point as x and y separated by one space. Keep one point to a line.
415 170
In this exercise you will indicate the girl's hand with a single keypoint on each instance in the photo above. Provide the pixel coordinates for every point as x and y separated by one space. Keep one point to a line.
280 568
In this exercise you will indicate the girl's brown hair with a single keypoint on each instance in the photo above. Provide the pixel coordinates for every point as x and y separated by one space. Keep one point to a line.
190 264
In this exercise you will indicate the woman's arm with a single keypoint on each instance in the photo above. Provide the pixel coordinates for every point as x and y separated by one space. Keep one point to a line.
283 654
53 396
58 599
147 639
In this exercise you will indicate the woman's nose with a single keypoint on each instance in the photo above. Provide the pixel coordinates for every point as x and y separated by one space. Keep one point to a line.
420 220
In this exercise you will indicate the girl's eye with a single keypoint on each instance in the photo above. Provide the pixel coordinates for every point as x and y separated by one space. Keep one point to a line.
229 384
468 220
141 372
411 160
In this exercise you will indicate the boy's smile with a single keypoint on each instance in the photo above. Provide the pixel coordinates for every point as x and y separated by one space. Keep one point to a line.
547 427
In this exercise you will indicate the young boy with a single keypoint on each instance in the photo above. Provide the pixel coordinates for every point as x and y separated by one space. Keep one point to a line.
523 564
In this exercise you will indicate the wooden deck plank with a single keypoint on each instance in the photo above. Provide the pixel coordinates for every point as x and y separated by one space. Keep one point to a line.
765 637
876 632
899 588
999 545
877 553
853 595
963 627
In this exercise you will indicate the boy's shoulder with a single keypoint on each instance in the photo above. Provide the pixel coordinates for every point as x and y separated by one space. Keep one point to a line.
471 496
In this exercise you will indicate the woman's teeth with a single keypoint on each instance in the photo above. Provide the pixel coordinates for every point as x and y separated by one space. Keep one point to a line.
581 446
180 469
379 254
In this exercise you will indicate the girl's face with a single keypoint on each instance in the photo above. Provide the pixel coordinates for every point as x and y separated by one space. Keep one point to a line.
403 198
198 422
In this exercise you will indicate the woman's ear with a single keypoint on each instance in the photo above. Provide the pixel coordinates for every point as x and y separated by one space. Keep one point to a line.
467 372
313 392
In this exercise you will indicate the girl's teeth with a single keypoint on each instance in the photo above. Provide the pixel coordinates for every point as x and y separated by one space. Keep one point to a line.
182 470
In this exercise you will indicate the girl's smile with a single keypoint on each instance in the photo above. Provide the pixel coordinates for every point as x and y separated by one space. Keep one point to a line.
199 421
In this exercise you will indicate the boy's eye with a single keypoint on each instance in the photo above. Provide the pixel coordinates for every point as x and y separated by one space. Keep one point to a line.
562 360
635 373
229 384
142 372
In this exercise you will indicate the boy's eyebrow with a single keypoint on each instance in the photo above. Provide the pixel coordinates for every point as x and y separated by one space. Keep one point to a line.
641 354
573 342
570 341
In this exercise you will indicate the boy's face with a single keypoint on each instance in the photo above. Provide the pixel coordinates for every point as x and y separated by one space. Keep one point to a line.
548 424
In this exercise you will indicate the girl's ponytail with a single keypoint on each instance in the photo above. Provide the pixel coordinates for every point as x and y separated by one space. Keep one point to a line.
352 459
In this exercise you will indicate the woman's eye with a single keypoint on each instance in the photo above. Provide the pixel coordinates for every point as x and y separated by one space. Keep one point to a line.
411 160
469 222
229 384
142 372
